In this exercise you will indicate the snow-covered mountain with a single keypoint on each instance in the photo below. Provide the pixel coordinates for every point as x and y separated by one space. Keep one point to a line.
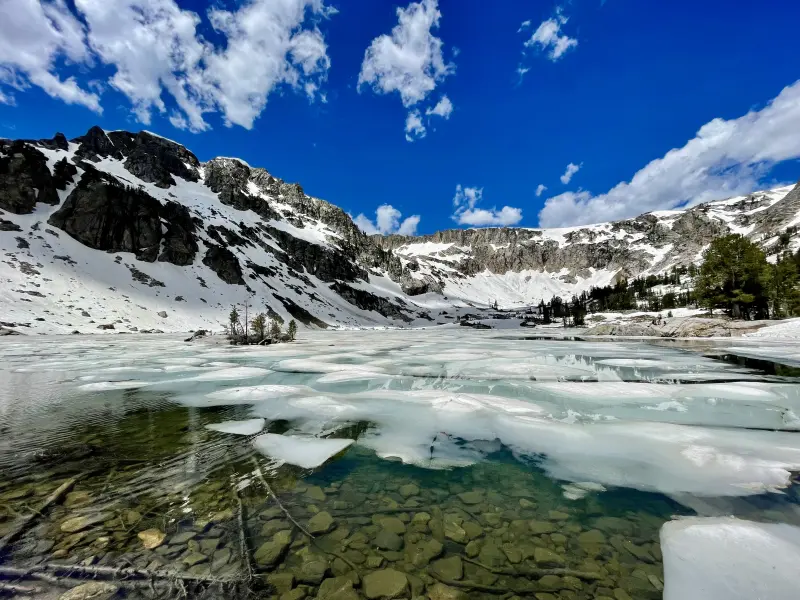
132 230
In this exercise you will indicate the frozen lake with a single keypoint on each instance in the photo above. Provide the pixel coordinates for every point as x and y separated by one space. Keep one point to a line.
478 463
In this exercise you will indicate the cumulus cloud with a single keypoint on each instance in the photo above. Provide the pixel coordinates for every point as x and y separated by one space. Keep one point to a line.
35 35
410 61
415 128
572 168
443 108
154 49
466 211
725 158
549 39
387 220
540 189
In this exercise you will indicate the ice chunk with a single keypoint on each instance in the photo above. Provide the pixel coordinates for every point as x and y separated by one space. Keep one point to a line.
103 386
730 559
231 373
251 394
301 451
246 427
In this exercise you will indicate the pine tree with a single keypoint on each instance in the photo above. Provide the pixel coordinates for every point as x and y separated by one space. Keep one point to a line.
259 325
292 329
783 284
233 320
734 276
275 329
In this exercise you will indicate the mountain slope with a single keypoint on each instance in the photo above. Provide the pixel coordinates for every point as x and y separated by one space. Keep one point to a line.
119 228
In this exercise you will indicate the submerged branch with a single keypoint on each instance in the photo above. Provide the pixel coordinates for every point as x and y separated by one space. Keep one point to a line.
244 549
536 572
25 522
277 501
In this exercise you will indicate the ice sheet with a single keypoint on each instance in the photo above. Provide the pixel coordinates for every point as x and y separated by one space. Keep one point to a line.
246 427
306 452
730 559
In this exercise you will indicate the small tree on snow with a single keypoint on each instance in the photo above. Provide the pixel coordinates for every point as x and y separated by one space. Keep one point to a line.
233 319
292 329
259 325
275 329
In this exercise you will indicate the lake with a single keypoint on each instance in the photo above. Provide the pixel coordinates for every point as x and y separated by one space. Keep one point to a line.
436 463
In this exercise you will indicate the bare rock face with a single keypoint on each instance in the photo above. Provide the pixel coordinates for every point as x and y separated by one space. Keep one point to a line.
368 301
95 145
105 215
156 160
224 263
229 178
25 178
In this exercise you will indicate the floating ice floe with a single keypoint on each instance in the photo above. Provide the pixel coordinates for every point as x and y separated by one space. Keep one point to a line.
730 559
246 427
301 451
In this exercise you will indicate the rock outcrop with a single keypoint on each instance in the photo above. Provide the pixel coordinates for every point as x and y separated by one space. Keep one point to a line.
25 178
103 214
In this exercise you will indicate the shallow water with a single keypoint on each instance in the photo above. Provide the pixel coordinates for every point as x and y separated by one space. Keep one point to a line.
484 464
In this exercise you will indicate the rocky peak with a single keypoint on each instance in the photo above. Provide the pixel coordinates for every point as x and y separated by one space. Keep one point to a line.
155 160
96 145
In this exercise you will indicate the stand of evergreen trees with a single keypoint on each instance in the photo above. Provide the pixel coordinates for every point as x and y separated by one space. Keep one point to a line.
259 330
735 278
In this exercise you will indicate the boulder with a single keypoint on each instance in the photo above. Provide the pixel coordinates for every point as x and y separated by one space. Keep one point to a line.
322 522
271 552
386 583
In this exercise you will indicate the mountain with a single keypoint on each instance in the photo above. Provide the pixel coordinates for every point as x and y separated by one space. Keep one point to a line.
131 230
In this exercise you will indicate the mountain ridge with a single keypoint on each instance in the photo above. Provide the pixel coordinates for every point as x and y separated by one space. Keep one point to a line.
189 238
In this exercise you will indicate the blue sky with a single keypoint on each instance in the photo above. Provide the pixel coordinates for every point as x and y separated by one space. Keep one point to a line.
290 85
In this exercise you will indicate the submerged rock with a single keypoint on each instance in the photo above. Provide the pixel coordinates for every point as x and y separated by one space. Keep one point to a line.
282 582
541 527
387 540
337 588
386 583
321 522
76 524
151 538
473 497
449 568
441 591
94 590
272 551
408 490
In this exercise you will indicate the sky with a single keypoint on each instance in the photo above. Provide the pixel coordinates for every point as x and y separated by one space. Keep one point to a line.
421 116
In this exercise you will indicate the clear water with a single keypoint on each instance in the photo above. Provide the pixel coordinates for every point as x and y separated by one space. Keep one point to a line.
496 464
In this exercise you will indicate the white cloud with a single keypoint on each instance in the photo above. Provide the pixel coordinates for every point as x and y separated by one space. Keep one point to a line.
409 225
465 201
154 48
443 108
572 168
387 220
409 62
415 128
549 38
33 36
725 158
267 46
524 25
540 189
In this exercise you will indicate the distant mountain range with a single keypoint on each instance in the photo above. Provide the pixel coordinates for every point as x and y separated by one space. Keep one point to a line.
132 230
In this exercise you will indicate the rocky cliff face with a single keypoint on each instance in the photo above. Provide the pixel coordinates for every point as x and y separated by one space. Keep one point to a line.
114 226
